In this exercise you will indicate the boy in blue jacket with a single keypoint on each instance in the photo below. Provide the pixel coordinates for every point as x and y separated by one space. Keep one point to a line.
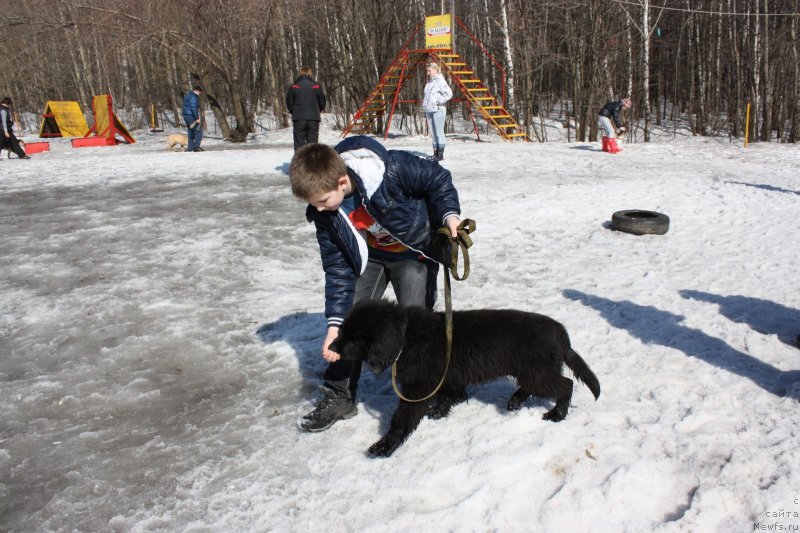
375 211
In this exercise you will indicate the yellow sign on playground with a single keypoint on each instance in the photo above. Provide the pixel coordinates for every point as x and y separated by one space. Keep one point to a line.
439 32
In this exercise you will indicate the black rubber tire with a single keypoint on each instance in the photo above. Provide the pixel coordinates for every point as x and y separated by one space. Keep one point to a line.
639 222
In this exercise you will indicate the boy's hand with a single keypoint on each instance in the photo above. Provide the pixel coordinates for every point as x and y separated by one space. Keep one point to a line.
327 354
452 222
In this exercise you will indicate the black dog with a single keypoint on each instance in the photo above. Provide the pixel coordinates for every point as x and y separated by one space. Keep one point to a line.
487 344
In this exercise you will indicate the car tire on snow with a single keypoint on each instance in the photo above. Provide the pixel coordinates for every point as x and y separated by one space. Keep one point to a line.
639 222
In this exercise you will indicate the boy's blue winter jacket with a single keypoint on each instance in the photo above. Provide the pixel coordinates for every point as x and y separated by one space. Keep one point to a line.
410 200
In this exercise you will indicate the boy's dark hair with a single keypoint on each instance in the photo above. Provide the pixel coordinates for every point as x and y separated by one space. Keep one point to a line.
197 88
315 169
6 101
306 71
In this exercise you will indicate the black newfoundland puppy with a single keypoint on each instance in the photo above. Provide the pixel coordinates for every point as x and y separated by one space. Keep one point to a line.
487 344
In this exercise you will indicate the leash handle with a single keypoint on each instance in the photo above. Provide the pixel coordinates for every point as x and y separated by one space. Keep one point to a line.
462 241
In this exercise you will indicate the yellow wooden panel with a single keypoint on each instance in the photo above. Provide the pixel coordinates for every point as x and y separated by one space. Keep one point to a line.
68 118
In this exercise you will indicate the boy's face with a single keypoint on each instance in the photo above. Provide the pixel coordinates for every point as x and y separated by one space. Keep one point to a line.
331 200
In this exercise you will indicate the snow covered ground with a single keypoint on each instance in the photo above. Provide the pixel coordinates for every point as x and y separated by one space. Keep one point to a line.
161 322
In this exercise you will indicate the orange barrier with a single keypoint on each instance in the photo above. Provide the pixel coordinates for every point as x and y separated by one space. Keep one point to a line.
36 147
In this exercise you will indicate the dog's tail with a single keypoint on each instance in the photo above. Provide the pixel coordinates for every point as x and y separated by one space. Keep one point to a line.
582 371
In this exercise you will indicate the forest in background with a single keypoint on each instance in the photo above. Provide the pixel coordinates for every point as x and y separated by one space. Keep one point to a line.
695 63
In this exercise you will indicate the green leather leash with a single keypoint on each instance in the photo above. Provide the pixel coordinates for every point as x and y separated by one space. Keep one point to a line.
461 243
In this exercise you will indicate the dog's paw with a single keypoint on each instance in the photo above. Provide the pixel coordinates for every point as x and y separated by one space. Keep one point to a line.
385 447
519 397
555 415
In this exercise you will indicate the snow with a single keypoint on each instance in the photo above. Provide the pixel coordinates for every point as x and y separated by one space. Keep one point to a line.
162 317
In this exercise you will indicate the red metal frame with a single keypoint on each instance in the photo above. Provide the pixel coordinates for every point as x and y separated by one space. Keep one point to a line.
110 132
487 54
407 71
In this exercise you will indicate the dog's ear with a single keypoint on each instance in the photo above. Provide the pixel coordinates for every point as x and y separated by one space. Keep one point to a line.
387 339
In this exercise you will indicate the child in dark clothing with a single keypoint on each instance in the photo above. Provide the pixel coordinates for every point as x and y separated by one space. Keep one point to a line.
305 100
610 112
7 137
362 198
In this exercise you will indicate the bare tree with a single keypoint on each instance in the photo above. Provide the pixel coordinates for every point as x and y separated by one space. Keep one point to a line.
695 61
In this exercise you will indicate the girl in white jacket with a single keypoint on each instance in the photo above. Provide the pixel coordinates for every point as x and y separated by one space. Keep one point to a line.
437 94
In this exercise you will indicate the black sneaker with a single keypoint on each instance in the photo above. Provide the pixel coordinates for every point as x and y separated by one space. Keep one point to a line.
198 149
329 409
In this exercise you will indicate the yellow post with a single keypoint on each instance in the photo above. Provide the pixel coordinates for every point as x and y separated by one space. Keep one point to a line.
747 126
153 121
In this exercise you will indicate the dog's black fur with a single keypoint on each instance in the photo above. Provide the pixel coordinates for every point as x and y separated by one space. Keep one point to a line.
487 344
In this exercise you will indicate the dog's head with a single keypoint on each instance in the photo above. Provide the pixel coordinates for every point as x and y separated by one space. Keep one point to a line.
373 331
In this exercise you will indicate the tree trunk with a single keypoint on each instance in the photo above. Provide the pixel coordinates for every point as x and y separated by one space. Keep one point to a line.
766 125
508 52
794 114
645 100
756 92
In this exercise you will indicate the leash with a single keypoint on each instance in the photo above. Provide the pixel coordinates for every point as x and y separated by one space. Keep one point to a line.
461 243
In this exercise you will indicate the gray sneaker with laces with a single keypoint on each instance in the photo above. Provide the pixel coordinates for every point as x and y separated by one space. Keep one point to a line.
330 409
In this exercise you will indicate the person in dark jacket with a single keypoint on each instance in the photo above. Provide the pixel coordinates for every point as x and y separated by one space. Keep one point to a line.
7 137
305 100
191 116
609 113
375 211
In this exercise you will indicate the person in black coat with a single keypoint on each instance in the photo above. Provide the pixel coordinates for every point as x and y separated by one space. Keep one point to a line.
609 113
305 100
7 137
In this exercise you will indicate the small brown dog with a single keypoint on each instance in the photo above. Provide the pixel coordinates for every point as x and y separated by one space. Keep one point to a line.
180 140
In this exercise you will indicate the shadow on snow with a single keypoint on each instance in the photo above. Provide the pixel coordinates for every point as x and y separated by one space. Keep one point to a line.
654 326
765 187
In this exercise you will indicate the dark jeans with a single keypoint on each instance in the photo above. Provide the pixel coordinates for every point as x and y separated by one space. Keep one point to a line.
305 131
195 136
414 283
11 143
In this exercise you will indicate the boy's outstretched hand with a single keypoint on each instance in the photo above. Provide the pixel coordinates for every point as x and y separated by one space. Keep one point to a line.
327 354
